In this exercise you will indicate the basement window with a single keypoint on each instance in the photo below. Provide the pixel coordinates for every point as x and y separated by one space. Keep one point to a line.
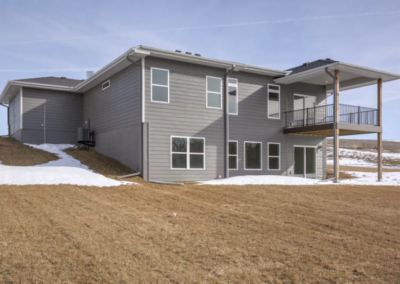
187 153
233 155
159 85
274 153
105 85
252 155
274 101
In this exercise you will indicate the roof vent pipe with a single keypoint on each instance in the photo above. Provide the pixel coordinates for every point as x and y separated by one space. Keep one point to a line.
89 74
197 54
188 53
178 51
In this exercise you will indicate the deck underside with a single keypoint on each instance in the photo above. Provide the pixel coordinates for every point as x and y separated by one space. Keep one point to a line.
326 130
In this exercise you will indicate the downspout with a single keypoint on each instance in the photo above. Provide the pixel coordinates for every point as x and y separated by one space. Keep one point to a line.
334 124
8 119
141 124
227 120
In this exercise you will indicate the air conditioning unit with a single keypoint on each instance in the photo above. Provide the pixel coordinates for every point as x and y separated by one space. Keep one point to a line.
83 134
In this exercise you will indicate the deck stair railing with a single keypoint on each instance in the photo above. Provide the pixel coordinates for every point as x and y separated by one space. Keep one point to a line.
324 115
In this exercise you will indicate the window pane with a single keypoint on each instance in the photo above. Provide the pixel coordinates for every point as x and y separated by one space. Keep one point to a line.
233 162
232 81
253 156
273 149
214 100
179 161
196 145
179 144
310 161
159 77
160 94
299 161
274 163
271 87
232 99
196 161
232 148
213 85
273 105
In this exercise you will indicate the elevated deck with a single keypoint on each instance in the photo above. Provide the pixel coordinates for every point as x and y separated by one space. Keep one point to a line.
318 121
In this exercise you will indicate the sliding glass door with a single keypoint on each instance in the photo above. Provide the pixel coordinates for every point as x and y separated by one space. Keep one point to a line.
305 161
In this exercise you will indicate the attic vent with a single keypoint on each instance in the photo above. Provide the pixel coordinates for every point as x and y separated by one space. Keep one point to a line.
178 51
329 59
63 77
189 53
307 63
106 85
197 54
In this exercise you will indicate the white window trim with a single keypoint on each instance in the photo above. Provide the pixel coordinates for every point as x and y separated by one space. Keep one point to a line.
261 160
237 95
21 94
236 155
188 153
279 157
151 85
220 94
109 84
279 102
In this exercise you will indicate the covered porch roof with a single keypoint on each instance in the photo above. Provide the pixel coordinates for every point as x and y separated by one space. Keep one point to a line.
351 76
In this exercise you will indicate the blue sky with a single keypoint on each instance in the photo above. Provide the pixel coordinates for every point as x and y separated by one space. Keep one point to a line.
66 38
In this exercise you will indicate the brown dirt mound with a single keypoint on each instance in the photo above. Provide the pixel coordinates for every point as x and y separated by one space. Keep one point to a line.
99 163
360 169
366 145
14 153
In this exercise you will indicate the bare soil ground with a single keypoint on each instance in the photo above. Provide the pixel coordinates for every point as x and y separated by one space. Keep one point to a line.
366 145
221 234
14 153
99 163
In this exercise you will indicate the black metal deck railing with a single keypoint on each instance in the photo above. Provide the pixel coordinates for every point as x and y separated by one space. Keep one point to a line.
324 115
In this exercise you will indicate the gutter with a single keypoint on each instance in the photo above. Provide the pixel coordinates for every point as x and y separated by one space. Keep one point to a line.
229 71
8 118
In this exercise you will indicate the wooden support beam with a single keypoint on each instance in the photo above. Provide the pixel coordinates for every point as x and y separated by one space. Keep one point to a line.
336 130
380 134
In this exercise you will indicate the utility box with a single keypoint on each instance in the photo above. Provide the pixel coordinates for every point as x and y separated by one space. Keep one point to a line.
83 134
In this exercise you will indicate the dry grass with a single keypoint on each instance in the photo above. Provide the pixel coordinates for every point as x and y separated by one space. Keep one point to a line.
366 145
342 174
14 153
99 163
222 234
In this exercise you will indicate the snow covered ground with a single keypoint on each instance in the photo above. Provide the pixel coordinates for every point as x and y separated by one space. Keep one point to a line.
392 179
357 158
66 170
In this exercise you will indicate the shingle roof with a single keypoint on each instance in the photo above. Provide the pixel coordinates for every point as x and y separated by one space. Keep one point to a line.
57 81
311 65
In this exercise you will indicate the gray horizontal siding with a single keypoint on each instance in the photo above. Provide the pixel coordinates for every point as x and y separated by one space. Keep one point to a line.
185 115
15 113
115 116
60 113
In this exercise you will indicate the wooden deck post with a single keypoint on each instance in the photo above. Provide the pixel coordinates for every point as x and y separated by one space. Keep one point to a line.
335 129
380 134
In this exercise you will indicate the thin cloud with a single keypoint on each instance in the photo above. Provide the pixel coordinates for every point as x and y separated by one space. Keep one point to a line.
311 18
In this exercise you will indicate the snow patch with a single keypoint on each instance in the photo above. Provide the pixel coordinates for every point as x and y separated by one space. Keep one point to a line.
66 170
262 179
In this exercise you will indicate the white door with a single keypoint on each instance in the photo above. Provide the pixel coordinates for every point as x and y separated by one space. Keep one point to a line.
305 161
301 103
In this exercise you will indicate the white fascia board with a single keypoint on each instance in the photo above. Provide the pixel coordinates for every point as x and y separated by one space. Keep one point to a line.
297 77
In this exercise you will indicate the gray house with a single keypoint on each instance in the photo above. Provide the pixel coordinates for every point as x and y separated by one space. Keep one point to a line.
183 117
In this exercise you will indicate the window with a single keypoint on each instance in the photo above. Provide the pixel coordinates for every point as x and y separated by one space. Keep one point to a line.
187 153
214 92
252 155
274 153
159 85
233 95
233 155
105 85
274 102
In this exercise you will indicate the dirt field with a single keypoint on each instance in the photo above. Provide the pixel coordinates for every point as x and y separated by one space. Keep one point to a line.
360 169
99 163
225 234
366 145
14 153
